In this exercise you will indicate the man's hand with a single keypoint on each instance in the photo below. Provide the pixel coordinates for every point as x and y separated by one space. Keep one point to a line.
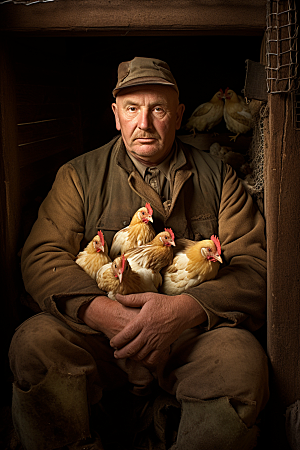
160 321
106 315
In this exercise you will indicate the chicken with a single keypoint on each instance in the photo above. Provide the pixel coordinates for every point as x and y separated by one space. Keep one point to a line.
149 259
207 115
234 159
193 263
138 232
94 256
117 277
237 114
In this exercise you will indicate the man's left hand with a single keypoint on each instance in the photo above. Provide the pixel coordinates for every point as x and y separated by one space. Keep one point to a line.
160 322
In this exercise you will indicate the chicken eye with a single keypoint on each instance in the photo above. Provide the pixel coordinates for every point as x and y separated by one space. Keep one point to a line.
209 249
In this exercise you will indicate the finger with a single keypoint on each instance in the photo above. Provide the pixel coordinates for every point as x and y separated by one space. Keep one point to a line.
125 336
132 300
134 351
130 350
139 348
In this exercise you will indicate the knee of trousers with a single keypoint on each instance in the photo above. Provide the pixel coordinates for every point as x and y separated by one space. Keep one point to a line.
225 362
43 342
213 425
53 413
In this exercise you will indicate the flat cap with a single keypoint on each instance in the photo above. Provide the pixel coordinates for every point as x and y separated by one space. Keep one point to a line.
140 71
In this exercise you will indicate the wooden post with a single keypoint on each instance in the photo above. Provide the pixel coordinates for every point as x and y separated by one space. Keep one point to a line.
10 210
282 196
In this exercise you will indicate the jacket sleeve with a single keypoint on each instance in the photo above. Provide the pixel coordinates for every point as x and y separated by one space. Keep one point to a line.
237 296
50 273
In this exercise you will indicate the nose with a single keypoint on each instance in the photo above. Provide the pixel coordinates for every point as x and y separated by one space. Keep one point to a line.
144 122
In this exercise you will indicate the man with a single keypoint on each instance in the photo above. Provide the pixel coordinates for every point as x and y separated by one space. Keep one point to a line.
65 359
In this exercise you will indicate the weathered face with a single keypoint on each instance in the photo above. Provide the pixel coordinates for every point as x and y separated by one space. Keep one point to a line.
148 117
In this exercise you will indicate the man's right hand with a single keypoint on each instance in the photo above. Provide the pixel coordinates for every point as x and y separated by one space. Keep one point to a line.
106 315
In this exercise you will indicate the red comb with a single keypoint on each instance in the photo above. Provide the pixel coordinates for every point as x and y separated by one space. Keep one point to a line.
169 230
150 210
217 243
123 262
226 90
100 234
221 90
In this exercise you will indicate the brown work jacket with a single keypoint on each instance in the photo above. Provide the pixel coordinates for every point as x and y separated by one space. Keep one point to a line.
102 189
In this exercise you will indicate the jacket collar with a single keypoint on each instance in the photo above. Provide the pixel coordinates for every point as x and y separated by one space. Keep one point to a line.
180 172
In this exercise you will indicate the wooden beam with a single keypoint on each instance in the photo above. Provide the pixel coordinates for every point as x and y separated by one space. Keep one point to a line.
283 218
9 210
282 195
119 17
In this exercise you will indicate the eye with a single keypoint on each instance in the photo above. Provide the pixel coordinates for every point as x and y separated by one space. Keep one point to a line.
159 111
115 266
131 109
209 249
143 213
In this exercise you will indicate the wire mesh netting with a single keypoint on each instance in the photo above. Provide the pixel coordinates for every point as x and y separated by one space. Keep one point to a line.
281 46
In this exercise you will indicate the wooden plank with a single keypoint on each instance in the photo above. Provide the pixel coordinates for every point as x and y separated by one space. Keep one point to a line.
34 132
33 63
10 280
27 113
30 153
282 172
203 141
283 213
143 16
40 94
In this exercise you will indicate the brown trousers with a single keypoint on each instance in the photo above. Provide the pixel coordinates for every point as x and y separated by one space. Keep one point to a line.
59 373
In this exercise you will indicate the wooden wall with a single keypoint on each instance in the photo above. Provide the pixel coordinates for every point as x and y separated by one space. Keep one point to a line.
10 211
48 120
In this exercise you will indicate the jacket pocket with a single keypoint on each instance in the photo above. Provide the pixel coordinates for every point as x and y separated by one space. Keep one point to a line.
203 226
110 225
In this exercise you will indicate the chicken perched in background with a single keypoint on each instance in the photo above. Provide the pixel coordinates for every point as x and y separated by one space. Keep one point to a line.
237 115
137 233
94 256
117 277
234 159
193 263
207 115
149 259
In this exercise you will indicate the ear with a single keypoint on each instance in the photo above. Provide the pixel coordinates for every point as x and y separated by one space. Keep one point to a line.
115 111
179 115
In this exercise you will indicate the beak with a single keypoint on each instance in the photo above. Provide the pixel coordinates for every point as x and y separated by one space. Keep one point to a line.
150 219
120 276
173 243
218 258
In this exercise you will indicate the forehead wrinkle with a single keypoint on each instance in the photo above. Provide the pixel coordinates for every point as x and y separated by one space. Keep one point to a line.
130 101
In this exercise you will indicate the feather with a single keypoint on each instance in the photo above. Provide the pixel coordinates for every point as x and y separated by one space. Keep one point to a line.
138 232
194 262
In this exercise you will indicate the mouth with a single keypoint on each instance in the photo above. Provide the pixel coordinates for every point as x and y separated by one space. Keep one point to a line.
145 140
